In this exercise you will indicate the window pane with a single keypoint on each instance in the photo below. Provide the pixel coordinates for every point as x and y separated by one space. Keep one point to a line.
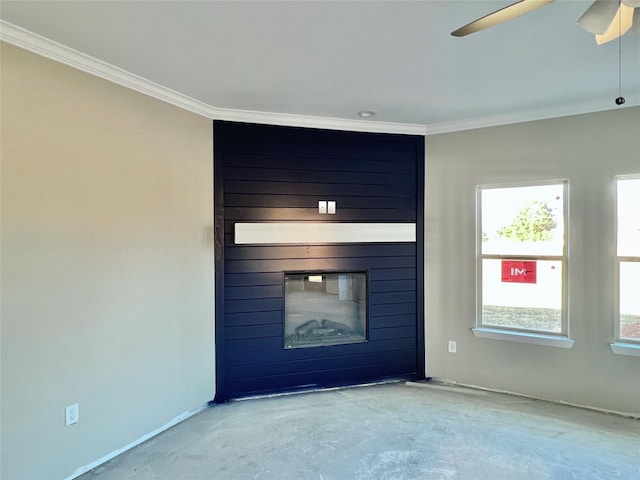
629 217
525 294
523 220
630 300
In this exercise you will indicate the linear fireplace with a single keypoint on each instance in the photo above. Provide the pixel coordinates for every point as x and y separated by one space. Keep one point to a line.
324 308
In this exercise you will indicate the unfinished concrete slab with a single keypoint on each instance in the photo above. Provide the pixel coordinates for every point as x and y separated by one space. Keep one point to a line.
391 431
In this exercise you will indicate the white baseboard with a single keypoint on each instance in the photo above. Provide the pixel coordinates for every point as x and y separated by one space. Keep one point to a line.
180 418
446 381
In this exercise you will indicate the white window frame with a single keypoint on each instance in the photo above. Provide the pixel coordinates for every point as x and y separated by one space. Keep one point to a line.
514 334
622 346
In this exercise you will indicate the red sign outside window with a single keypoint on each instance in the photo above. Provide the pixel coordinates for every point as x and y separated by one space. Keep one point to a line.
516 271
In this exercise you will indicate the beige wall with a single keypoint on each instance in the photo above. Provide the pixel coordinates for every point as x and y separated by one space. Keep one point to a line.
588 150
107 262
107 265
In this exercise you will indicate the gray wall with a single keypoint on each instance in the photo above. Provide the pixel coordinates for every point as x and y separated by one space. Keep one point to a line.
588 150
107 265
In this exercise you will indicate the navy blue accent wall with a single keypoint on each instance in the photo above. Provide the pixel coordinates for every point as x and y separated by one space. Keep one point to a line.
268 173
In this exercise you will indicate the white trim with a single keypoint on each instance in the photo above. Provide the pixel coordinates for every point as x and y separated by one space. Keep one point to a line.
40 45
620 348
327 123
524 337
322 232
543 399
563 258
180 418
45 47
546 113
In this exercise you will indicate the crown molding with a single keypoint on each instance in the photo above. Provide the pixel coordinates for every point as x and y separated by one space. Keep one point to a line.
52 50
327 123
546 113
57 52
45 47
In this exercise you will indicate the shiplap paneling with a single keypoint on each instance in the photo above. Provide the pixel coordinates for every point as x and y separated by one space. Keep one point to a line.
278 174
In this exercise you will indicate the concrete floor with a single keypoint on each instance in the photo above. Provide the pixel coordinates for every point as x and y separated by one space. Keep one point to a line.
391 431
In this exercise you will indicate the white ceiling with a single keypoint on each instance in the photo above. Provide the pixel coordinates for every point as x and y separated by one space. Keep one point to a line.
335 58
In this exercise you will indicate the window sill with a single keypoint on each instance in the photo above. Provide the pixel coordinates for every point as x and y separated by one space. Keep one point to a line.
524 337
630 349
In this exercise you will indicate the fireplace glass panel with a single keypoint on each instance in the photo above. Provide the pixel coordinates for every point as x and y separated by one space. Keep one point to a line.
325 309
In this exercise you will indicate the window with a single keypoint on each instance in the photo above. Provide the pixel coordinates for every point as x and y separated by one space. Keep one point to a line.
522 258
628 259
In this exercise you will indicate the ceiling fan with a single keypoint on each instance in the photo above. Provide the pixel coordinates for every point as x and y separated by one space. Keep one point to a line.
607 19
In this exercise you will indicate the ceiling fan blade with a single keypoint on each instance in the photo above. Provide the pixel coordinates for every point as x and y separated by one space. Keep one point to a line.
599 16
500 16
619 26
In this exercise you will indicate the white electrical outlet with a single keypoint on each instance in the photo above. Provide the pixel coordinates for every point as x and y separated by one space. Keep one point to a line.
452 346
72 413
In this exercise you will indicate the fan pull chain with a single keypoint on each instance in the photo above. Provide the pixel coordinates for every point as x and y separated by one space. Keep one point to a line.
620 100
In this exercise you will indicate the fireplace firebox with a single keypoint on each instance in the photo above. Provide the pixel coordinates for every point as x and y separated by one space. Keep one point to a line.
324 308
